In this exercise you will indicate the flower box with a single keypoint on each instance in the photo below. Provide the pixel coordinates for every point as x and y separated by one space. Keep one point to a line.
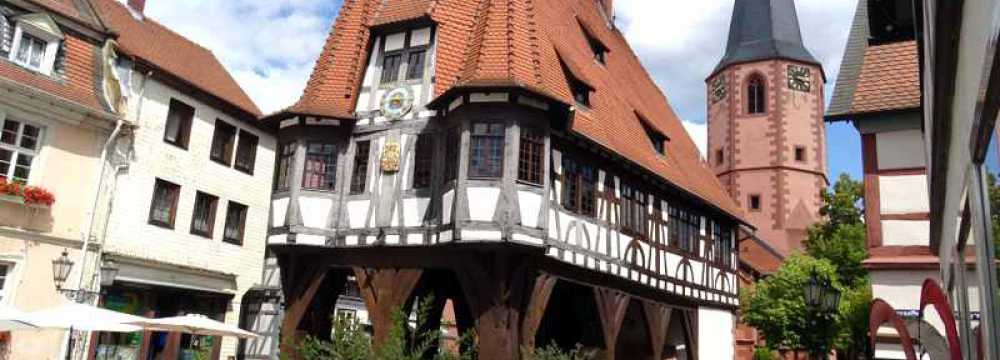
30 196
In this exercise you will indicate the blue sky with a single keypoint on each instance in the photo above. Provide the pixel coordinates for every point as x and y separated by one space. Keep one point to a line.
270 47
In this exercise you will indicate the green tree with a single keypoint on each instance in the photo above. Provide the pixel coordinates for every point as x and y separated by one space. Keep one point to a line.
994 193
776 306
841 239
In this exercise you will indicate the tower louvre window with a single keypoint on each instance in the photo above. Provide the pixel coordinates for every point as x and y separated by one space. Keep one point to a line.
755 202
800 153
756 95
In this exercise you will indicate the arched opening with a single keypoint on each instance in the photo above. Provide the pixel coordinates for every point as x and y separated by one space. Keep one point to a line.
571 319
756 95
678 342
438 318
634 340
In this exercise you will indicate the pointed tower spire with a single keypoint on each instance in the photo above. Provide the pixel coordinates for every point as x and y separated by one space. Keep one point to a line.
764 29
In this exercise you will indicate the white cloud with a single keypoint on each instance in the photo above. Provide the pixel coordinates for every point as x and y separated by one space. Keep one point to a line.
698 133
269 46
680 42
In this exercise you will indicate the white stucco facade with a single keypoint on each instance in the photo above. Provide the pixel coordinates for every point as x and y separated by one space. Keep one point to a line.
174 257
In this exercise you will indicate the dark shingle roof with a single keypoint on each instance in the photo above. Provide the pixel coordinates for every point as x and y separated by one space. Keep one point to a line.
764 29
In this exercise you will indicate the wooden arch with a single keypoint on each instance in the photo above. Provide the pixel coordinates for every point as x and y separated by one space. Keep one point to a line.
881 313
931 294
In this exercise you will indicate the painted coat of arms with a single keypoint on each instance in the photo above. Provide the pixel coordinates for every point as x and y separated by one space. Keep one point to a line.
390 157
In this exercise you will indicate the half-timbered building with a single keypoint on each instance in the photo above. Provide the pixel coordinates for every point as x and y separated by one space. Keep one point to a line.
512 158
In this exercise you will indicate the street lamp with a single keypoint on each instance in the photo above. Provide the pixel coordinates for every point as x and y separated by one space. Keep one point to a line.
62 266
823 299
60 269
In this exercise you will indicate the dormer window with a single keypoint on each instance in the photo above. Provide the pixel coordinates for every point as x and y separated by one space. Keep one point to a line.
657 138
35 43
404 55
581 91
596 46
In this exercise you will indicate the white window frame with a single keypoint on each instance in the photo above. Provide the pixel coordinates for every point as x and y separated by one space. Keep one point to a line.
52 41
9 289
17 150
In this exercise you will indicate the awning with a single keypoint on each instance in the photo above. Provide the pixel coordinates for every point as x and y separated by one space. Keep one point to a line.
148 272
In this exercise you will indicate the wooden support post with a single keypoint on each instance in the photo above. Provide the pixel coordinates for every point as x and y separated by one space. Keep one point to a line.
494 286
537 304
691 328
611 307
300 289
658 320
384 292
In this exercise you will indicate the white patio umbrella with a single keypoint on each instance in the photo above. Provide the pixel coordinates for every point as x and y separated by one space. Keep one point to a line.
82 317
13 319
194 324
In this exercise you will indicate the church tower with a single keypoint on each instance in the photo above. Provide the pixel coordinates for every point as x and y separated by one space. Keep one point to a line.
766 136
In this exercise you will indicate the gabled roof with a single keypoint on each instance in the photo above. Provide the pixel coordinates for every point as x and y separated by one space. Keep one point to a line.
172 53
764 29
525 44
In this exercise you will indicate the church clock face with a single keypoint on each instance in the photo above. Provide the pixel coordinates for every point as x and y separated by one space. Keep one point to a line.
718 88
799 78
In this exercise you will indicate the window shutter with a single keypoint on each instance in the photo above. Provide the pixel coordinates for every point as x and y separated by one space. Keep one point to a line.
6 35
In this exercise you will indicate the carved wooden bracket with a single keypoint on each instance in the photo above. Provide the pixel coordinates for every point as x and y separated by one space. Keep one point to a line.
658 320
384 292
611 306
537 304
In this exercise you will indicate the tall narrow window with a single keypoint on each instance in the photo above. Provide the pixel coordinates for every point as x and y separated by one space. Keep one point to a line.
719 156
178 128
529 165
674 227
222 142
756 96
163 209
203 219
236 221
486 150
321 166
246 152
415 65
359 177
693 232
390 67
283 175
579 192
19 142
423 161
634 212
452 149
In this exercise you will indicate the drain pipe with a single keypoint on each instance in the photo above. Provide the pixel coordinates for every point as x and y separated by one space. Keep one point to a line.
93 206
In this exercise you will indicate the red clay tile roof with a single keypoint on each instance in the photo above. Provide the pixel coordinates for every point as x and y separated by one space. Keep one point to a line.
393 11
75 9
889 79
171 52
78 87
514 43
